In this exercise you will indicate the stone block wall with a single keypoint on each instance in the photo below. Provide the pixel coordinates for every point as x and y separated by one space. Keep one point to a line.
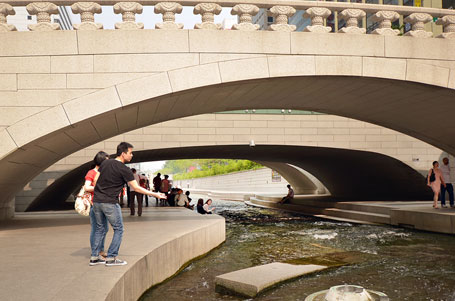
229 129
252 181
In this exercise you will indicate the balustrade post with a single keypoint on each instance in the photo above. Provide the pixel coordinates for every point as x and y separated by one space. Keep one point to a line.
207 12
385 19
168 9
418 21
352 16
43 12
6 10
282 14
245 13
317 15
448 23
128 11
87 10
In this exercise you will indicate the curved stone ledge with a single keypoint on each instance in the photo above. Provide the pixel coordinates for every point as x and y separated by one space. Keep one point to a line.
155 246
100 42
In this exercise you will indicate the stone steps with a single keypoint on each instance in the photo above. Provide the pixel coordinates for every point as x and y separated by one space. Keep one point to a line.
287 207
364 207
358 215
342 219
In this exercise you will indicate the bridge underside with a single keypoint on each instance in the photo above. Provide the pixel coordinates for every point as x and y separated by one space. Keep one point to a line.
349 175
406 107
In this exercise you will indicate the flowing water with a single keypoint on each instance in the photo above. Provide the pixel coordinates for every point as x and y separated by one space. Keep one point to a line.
404 264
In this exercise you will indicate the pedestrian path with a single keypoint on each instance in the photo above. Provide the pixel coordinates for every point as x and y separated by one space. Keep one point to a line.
418 215
45 255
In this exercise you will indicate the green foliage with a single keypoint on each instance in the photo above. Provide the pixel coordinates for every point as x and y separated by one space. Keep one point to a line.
190 169
400 28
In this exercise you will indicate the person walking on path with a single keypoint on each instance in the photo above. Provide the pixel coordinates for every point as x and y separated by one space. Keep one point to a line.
113 174
289 196
157 185
90 181
435 181
445 170
134 193
165 185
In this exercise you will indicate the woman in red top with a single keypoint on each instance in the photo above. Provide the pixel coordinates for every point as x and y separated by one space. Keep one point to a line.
89 186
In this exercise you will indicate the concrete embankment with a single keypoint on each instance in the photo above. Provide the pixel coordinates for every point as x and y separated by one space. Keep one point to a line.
416 214
45 255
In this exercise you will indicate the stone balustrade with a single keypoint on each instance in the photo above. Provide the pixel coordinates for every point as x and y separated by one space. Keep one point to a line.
317 11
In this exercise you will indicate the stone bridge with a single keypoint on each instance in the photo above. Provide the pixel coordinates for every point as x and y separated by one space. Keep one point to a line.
61 91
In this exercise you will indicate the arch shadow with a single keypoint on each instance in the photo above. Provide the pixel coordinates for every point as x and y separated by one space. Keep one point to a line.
349 175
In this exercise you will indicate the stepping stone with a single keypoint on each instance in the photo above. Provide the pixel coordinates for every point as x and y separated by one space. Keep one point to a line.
250 282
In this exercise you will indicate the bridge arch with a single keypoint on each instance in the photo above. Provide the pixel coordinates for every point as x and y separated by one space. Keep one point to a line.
369 86
349 175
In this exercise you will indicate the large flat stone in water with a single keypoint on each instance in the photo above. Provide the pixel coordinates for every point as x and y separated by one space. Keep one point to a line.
251 281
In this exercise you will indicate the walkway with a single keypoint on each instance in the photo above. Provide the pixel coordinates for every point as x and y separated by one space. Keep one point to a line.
416 214
45 255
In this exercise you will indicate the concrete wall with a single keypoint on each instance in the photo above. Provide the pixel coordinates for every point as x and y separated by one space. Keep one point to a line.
254 181
227 129
72 89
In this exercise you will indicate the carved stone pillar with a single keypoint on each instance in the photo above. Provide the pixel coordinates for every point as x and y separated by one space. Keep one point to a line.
128 11
43 12
449 26
168 9
317 15
418 21
208 12
5 10
87 10
282 14
385 19
245 13
352 16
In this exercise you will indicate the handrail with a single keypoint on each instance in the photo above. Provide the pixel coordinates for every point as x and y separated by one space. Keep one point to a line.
298 5
317 11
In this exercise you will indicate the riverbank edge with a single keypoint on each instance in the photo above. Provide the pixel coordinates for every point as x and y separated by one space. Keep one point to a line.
417 215
183 267
174 254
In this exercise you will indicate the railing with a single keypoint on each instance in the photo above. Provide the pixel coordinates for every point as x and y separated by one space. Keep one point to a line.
317 11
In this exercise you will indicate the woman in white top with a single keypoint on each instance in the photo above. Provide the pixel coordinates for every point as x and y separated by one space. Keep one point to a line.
207 208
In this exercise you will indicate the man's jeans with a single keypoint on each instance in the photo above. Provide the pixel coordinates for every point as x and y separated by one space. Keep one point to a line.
113 214
93 230
449 189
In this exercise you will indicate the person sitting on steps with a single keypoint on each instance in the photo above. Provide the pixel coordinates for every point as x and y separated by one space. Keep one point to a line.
289 196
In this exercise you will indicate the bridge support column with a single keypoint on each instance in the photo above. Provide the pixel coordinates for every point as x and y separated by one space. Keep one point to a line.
43 12
449 27
318 15
7 210
5 10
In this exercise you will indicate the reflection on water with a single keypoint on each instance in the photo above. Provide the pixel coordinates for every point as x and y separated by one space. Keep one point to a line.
404 264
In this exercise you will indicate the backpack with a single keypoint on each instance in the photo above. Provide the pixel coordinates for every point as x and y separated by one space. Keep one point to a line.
142 183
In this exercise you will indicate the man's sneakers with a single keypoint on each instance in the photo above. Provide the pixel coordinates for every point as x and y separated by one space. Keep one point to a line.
110 262
97 261
114 262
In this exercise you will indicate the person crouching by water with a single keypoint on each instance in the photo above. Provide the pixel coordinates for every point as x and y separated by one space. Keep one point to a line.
289 196
207 206
200 207
90 181
181 199
435 180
